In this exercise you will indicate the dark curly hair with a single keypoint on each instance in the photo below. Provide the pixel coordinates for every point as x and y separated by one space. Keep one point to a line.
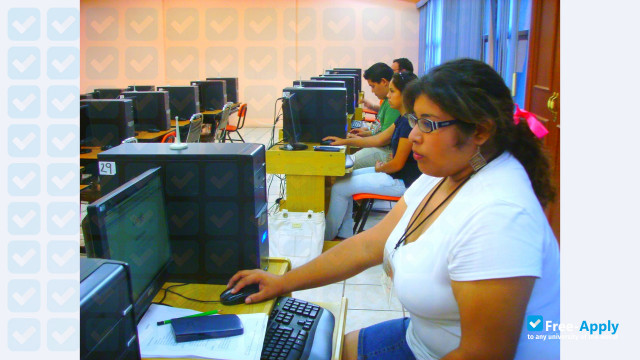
473 92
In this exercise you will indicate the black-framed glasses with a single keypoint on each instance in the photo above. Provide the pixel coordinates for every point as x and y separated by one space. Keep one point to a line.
427 125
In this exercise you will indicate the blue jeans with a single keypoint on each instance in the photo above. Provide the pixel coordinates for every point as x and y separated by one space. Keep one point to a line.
386 340
339 220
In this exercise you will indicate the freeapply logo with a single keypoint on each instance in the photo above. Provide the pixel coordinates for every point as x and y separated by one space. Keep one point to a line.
550 330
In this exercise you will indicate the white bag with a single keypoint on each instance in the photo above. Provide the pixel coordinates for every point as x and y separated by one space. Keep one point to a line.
296 235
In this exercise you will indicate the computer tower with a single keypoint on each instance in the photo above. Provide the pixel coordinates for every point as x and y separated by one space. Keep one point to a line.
232 88
213 94
141 88
150 109
108 329
216 203
109 121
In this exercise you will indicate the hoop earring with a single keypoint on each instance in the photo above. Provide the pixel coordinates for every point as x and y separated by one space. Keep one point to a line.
477 161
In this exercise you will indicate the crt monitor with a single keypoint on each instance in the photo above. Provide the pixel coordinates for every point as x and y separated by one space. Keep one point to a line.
349 82
150 109
129 224
347 71
213 94
107 93
141 88
109 121
320 112
184 101
232 88
318 83
291 127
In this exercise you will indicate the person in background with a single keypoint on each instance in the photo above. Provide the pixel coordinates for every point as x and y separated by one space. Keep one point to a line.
378 77
389 178
401 64
375 73
467 248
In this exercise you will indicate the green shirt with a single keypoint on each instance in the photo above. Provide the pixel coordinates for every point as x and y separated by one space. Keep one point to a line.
387 115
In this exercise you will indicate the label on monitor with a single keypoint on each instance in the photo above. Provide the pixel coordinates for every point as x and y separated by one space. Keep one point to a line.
107 167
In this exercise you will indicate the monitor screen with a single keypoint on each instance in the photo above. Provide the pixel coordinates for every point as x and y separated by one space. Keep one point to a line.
356 72
232 88
349 81
319 112
184 101
150 109
109 121
130 224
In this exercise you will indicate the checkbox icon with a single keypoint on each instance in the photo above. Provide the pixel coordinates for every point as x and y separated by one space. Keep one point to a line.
378 24
24 102
304 63
141 62
182 62
101 24
23 141
24 295
339 24
63 24
63 102
23 257
260 97
24 63
338 56
62 257
23 218
24 24
141 24
63 296
221 60
62 218
534 323
221 24
63 63
101 62
62 334
299 24
63 141
23 179
182 24
23 334
62 179
260 62
260 24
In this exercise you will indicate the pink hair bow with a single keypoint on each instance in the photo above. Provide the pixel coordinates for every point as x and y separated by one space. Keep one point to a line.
534 124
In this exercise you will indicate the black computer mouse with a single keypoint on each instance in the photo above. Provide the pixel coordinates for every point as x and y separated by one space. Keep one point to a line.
106 147
326 142
227 298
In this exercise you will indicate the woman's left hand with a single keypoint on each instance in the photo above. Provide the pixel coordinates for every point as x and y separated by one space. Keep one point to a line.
379 165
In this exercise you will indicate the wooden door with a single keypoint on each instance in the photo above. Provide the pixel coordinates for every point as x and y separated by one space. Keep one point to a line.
543 81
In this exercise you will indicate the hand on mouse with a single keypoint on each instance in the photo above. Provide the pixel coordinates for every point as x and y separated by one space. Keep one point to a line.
270 285
335 140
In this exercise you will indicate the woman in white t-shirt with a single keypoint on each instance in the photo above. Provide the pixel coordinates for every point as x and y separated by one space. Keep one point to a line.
468 248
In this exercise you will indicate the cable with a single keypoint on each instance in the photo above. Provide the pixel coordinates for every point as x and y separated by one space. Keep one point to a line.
167 290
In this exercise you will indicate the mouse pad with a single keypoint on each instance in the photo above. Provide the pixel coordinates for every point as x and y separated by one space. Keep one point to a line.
206 327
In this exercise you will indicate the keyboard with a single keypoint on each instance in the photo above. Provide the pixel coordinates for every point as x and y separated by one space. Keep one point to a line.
298 330
356 124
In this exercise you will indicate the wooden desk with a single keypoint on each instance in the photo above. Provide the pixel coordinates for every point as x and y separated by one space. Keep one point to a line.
146 136
306 171
211 292
93 155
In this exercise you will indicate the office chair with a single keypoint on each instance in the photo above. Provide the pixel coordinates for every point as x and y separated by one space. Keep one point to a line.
195 128
362 214
221 129
242 114
169 137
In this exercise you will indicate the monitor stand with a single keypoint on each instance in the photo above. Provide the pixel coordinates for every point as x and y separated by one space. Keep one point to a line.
293 147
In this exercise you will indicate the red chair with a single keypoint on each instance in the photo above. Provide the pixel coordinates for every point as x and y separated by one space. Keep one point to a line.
362 214
242 114
169 137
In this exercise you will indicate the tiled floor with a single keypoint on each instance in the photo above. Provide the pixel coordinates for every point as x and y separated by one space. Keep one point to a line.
367 301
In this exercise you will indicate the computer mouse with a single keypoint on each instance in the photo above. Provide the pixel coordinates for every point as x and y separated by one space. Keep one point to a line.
152 130
227 298
326 142
106 147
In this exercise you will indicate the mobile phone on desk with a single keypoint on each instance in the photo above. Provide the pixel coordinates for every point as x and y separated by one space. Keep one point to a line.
327 148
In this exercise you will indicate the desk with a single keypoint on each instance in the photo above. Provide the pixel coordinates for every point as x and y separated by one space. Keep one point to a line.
145 136
276 266
306 171
93 155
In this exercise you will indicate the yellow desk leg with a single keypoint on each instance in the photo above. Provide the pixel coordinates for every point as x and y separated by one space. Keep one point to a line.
305 192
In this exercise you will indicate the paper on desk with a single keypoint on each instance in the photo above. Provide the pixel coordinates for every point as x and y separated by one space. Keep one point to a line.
159 341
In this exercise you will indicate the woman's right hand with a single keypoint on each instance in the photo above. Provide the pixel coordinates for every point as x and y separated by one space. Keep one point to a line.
270 285
335 140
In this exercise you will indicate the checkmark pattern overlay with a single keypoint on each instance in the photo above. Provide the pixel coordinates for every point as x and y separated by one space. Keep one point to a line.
40 178
265 45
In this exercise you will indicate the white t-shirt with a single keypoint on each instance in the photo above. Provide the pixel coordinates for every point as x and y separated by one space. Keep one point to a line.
493 228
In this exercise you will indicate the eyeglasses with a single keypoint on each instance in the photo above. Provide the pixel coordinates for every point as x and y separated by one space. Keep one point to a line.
427 125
